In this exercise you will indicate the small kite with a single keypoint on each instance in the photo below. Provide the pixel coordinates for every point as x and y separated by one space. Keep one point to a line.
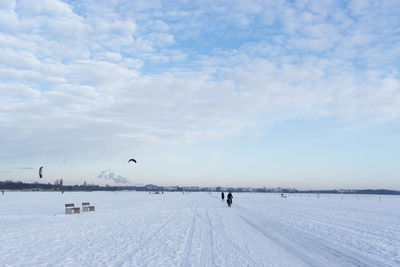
131 160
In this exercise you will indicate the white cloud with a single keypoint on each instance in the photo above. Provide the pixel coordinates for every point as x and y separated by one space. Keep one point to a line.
118 28
19 59
93 75
52 8
18 91
8 20
7 5
161 38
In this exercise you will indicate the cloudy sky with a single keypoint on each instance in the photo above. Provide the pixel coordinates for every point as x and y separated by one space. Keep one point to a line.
301 94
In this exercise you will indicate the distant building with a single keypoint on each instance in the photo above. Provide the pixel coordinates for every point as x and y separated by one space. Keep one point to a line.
172 188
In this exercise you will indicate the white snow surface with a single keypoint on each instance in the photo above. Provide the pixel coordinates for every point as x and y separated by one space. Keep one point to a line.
198 229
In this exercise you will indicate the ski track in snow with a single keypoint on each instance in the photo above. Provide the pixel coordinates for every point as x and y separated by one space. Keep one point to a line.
198 229
308 248
187 250
207 226
147 241
207 244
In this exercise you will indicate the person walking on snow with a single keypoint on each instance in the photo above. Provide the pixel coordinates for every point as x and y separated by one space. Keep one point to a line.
222 196
229 199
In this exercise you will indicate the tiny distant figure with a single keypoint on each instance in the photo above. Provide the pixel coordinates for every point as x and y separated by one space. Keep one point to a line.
222 196
283 196
229 199
2 192
62 192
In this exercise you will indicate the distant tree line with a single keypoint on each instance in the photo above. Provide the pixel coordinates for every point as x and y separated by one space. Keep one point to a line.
355 191
60 186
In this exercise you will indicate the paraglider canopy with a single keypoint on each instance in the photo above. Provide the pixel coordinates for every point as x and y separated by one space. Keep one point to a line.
131 160
40 172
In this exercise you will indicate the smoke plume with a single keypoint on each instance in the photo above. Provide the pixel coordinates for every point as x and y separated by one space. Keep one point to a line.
109 175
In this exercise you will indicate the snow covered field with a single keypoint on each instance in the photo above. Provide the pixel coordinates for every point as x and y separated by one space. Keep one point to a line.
198 229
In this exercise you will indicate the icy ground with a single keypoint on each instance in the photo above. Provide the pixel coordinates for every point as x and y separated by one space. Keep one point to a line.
198 229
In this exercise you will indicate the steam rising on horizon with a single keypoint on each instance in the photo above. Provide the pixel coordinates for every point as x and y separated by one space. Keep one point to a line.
109 175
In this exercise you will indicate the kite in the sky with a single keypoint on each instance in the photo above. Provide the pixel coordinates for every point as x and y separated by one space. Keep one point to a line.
40 172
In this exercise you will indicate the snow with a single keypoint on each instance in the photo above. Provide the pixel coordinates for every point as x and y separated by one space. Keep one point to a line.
198 229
